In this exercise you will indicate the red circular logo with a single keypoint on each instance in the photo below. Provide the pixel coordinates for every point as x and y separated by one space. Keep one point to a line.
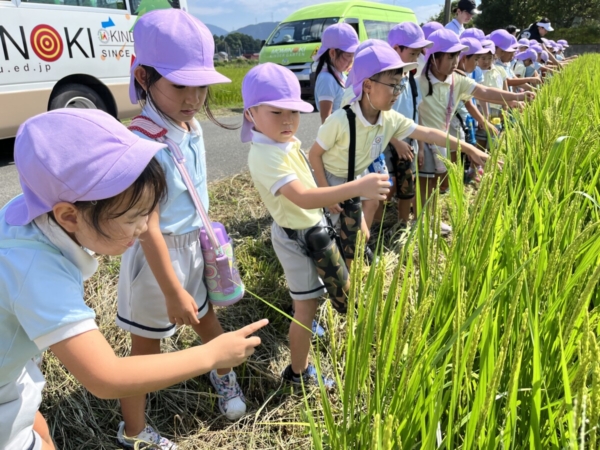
46 43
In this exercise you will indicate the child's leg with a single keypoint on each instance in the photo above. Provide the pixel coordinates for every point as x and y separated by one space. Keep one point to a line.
369 209
41 428
404 206
134 408
208 329
300 338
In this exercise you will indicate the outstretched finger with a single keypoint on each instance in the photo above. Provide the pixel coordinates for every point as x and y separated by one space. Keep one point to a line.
253 327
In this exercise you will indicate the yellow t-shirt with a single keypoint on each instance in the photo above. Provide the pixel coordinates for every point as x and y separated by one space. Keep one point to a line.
432 109
272 166
494 78
371 139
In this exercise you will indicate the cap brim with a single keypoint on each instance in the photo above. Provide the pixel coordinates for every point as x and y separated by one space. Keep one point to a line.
290 105
474 12
423 43
194 77
406 67
320 53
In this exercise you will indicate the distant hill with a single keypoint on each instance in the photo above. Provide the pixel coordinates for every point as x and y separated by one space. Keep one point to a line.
260 30
217 31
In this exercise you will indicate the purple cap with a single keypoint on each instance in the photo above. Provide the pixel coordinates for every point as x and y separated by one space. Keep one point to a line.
430 27
533 42
474 46
504 40
361 47
341 36
473 33
536 48
545 41
563 42
524 43
409 35
178 46
544 56
373 60
274 85
70 155
445 41
527 54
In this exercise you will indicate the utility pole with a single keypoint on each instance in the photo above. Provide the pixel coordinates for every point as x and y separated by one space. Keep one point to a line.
447 11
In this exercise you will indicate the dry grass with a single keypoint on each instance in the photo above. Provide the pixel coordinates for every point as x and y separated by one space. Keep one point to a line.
188 412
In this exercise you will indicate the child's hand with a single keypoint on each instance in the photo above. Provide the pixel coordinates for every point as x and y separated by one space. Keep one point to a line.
335 209
182 308
232 349
528 96
375 186
404 150
491 128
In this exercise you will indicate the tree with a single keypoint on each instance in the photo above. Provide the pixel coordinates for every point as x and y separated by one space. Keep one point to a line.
236 44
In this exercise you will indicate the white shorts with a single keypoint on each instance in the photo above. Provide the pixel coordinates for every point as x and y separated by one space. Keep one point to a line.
19 404
334 180
300 270
141 306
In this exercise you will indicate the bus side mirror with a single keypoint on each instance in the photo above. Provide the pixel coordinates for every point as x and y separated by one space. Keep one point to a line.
262 43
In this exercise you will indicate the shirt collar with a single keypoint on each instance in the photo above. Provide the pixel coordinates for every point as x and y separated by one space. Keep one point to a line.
259 138
458 25
434 80
174 132
80 257
356 108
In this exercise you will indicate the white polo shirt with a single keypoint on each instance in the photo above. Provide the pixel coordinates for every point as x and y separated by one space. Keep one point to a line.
41 291
327 88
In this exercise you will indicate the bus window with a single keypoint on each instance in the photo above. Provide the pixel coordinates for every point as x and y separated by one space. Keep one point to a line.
300 32
378 30
109 4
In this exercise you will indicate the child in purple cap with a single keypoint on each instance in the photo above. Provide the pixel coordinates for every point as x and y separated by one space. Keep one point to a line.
408 40
338 44
161 282
76 203
377 85
493 77
443 89
282 176
506 47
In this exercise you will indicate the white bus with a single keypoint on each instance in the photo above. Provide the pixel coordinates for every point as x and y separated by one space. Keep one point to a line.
67 53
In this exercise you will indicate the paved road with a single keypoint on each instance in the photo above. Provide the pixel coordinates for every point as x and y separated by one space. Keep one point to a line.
225 155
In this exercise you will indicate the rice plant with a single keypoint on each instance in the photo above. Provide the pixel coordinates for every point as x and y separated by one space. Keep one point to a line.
489 340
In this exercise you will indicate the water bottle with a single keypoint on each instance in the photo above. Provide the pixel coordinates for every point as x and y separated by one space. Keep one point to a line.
379 166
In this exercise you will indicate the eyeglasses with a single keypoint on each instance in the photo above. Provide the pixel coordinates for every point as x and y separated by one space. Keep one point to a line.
397 88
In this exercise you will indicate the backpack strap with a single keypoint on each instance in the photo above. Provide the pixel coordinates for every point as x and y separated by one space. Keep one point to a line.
147 127
29 244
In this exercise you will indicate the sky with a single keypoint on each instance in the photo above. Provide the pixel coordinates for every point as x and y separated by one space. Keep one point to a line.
234 14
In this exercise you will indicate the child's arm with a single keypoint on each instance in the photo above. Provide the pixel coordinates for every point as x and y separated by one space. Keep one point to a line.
92 361
522 81
374 186
325 109
493 95
439 138
181 306
315 157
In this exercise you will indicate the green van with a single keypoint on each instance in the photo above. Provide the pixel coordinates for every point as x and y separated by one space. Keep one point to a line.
295 40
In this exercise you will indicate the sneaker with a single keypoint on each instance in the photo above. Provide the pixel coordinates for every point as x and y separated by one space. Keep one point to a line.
148 439
231 400
445 229
309 377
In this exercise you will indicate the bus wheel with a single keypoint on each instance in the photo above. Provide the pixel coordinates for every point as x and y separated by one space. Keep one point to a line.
77 96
